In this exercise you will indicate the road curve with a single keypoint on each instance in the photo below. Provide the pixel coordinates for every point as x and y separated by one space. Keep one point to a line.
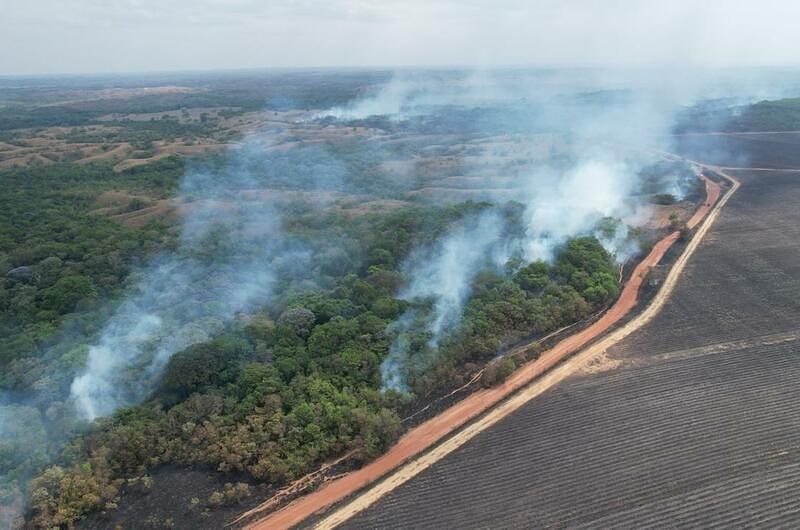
438 428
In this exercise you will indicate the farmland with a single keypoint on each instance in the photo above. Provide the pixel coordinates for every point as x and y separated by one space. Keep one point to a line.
756 149
690 421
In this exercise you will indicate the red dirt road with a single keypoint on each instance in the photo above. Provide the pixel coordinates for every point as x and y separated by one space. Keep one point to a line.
437 428
712 194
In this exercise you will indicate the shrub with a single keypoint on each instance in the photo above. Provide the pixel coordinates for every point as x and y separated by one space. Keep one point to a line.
497 372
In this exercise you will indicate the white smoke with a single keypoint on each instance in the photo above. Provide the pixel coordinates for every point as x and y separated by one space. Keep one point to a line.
442 274
391 99
407 95
225 264
619 244
446 273
562 205
604 117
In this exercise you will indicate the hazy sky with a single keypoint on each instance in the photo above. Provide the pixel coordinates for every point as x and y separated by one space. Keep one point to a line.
55 36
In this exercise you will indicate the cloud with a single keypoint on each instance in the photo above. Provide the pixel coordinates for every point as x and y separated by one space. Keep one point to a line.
146 35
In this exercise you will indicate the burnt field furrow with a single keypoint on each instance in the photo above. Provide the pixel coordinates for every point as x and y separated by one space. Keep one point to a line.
697 427
723 347
743 281
767 496
788 137
778 150
696 439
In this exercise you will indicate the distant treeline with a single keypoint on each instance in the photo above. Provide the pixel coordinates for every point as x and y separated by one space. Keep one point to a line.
722 115
72 103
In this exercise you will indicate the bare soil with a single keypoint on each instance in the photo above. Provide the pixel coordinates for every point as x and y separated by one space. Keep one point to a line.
165 149
116 205
765 150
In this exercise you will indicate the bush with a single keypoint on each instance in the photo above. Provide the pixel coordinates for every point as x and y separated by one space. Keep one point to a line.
664 199
298 319
231 494
201 366
497 372
64 296
135 204
534 277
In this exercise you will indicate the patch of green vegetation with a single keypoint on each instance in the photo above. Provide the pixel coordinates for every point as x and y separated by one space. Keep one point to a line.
775 115
278 391
59 259
169 130
780 115
49 102
290 388
274 395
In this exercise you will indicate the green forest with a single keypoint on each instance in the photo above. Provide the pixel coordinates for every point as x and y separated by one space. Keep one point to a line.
272 395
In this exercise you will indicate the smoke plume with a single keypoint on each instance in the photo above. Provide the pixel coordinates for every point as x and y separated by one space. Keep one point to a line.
228 257
564 205
441 276
611 124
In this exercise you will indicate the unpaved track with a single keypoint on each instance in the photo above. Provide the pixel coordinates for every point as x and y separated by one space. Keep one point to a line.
439 427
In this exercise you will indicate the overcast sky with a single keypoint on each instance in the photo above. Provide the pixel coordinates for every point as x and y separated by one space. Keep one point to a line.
73 36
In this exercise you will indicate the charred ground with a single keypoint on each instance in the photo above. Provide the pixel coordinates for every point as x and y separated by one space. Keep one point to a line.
689 422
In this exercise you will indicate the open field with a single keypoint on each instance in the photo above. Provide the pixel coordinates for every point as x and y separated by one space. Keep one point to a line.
690 421
625 448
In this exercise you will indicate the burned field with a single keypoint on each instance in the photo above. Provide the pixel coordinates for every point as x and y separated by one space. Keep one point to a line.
773 150
690 421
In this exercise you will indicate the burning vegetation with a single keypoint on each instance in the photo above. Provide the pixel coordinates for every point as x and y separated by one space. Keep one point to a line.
286 298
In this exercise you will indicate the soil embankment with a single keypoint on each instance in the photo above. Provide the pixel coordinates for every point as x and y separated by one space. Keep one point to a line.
433 431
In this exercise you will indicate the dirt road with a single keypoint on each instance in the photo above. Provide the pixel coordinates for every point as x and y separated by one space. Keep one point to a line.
429 433
712 194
